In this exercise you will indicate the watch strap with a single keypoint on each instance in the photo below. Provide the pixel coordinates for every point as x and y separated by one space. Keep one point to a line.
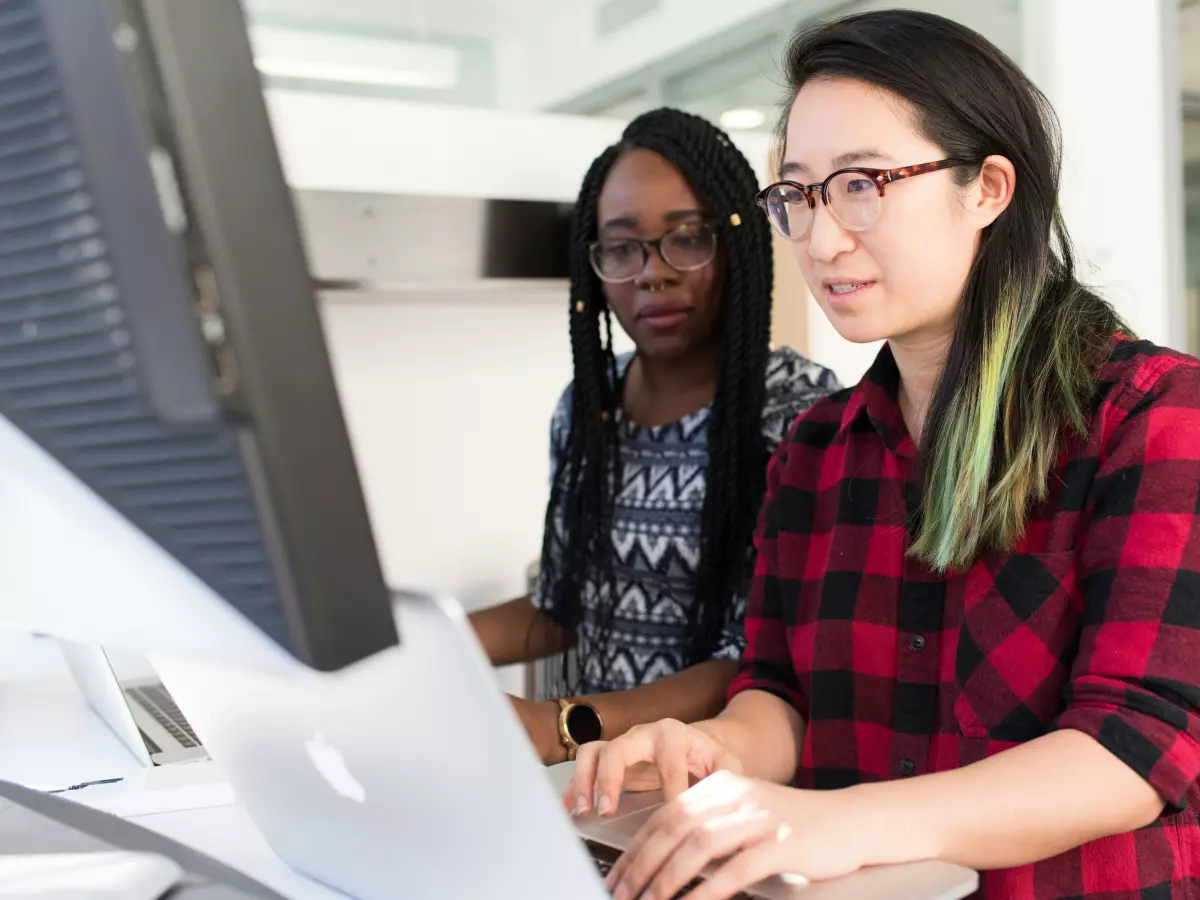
566 738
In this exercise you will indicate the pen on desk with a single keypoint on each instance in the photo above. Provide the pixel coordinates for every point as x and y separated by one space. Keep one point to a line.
85 784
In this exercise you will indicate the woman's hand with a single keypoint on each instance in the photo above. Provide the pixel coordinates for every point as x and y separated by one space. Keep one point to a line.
759 829
541 724
665 755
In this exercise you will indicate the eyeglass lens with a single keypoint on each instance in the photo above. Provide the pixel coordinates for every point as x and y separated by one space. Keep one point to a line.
854 200
685 248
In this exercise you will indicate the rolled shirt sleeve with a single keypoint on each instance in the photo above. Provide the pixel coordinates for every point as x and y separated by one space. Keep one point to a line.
1135 683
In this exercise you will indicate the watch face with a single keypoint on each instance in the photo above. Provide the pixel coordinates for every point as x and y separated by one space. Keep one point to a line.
584 724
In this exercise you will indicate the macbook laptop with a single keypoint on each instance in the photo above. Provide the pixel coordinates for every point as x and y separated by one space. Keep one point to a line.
134 704
374 777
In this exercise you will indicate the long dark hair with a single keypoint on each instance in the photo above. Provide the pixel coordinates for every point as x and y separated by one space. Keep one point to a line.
1029 337
577 546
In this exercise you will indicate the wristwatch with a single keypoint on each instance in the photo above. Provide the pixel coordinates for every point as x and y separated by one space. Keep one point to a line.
578 723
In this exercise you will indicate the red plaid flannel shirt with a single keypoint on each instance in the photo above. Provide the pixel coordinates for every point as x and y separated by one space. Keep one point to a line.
1093 623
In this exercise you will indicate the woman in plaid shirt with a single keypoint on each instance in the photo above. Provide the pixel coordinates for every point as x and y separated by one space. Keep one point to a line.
974 629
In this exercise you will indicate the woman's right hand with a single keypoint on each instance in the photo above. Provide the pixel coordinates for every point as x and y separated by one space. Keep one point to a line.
664 755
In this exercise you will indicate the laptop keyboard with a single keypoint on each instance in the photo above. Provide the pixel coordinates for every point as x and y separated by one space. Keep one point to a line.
155 700
605 857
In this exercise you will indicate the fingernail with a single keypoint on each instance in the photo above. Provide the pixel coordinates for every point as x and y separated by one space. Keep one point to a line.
621 893
580 806
605 806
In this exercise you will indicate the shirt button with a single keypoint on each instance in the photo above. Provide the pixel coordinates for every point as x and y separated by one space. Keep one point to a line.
916 642
907 767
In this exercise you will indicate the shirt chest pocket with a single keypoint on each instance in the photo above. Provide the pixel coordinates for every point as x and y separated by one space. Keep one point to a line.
1018 639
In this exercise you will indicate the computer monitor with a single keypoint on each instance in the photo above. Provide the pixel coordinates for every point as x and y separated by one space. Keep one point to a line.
171 442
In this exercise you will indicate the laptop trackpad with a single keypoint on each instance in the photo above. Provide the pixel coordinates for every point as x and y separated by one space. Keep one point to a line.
619 830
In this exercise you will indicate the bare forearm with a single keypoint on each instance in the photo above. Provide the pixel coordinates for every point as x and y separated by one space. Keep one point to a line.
517 631
764 732
690 695
1018 807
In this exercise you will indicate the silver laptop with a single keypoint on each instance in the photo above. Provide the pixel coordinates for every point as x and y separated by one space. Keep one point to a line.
135 706
374 777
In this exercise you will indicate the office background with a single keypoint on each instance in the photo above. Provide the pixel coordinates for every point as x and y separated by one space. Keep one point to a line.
394 116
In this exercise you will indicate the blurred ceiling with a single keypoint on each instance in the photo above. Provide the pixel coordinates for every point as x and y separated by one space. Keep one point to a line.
449 18
453 49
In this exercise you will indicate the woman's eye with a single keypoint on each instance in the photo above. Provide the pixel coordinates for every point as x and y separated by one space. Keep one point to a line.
617 252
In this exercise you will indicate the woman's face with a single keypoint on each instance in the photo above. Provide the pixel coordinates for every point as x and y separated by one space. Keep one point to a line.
901 278
668 313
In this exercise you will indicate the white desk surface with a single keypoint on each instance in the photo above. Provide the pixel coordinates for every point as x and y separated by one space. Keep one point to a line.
50 738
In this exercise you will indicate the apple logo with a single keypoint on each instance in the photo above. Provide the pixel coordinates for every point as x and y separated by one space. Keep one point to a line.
330 763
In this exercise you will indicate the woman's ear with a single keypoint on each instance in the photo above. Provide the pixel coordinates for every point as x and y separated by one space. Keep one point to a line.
993 189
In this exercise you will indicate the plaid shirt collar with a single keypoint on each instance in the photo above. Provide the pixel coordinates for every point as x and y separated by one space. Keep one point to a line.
877 397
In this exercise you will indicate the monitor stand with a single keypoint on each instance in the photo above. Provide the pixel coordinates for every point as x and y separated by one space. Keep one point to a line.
34 822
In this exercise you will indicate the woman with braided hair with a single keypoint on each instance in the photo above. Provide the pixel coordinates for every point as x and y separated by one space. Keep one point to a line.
658 457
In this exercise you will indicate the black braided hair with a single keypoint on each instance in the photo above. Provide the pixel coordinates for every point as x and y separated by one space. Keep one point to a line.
577 544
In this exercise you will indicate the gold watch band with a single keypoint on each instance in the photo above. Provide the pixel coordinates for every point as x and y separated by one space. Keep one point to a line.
564 731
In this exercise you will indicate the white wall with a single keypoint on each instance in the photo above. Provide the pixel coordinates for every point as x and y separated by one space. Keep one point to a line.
849 361
448 403
447 399
1111 70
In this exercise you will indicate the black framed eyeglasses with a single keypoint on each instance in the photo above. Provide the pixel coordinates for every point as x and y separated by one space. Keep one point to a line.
854 197
685 248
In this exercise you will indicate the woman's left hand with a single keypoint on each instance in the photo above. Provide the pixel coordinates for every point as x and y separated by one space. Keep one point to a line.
759 829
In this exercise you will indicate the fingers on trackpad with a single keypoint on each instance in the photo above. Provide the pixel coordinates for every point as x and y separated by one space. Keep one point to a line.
618 830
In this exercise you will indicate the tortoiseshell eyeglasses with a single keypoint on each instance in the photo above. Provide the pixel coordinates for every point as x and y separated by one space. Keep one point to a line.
854 196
